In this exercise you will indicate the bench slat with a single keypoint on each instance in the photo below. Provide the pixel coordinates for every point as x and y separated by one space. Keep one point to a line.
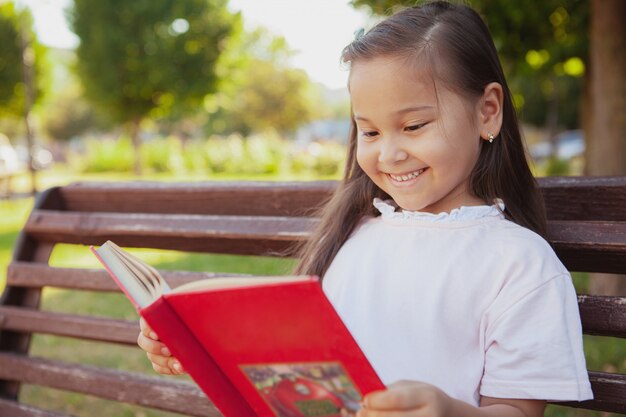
13 409
153 392
198 233
232 198
603 315
587 198
28 320
609 391
591 246
31 275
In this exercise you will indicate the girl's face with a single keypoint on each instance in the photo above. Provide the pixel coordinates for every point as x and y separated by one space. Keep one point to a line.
417 147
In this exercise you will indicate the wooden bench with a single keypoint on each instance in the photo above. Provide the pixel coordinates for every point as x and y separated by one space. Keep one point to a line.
587 228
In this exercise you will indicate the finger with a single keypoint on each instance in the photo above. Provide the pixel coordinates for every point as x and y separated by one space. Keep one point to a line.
147 330
162 369
390 413
400 396
152 346
167 362
159 359
176 367
402 382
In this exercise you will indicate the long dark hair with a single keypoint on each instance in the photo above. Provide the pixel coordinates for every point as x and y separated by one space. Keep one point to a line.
453 42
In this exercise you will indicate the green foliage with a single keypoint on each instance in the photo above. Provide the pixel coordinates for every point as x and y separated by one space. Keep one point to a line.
162 155
556 166
259 92
10 54
69 115
266 154
13 25
543 47
325 158
105 155
143 56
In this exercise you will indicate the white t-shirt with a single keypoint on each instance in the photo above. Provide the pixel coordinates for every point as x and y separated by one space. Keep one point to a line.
467 301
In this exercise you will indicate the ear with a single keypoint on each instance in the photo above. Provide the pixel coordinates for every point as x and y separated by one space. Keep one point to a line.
490 110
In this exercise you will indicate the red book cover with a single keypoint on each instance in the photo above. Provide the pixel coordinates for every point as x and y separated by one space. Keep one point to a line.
194 359
282 346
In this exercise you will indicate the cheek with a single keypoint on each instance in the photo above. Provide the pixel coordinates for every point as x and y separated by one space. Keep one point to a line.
363 157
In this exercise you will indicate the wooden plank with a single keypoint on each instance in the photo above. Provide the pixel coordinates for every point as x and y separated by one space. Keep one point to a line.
27 320
28 275
165 394
603 315
14 409
198 233
588 198
584 198
232 197
609 391
590 246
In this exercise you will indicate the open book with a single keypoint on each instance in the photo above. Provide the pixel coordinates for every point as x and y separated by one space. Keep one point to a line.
257 346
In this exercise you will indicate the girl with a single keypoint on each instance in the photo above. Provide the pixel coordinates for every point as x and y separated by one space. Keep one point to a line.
431 249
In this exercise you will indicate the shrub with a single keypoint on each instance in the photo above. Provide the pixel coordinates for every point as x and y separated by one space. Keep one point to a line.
265 154
108 155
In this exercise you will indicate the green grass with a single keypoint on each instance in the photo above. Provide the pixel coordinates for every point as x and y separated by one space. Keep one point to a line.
602 353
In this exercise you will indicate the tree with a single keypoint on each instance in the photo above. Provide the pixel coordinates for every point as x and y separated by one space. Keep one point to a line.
143 56
10 54
21 68
261 91
606 149
69 115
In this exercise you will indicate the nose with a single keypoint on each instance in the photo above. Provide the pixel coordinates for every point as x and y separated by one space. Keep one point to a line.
391 152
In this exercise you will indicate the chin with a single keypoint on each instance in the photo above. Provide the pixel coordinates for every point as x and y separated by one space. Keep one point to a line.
410 206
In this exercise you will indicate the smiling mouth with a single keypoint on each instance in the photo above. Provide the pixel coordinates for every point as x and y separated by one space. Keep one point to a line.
407 177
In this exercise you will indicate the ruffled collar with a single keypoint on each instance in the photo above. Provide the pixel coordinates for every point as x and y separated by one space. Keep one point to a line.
388 209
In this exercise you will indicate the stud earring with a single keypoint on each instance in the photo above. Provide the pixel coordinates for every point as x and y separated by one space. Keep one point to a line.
491 137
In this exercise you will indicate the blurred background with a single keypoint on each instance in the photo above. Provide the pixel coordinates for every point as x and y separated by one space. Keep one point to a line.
193 90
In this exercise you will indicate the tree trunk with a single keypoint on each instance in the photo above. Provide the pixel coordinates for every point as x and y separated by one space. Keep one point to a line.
136 141
28 61
606 145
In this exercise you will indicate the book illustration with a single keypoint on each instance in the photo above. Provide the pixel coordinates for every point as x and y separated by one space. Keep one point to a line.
317 389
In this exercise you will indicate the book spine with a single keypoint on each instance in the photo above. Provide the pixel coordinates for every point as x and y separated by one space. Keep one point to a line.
195 359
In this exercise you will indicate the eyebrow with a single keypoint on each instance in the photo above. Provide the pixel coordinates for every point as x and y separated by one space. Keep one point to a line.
406 110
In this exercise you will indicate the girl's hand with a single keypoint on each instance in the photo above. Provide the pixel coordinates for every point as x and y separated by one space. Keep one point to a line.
407 398
162 360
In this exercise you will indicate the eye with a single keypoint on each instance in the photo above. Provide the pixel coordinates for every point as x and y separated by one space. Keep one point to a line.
369 134
415 127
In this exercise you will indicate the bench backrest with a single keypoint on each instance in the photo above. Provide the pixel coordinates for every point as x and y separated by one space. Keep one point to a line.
587 227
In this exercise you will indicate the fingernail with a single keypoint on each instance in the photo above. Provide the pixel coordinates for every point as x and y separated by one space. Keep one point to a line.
154 336
177 367
165 351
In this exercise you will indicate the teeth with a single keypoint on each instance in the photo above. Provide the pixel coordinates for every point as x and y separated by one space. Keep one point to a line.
407 176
